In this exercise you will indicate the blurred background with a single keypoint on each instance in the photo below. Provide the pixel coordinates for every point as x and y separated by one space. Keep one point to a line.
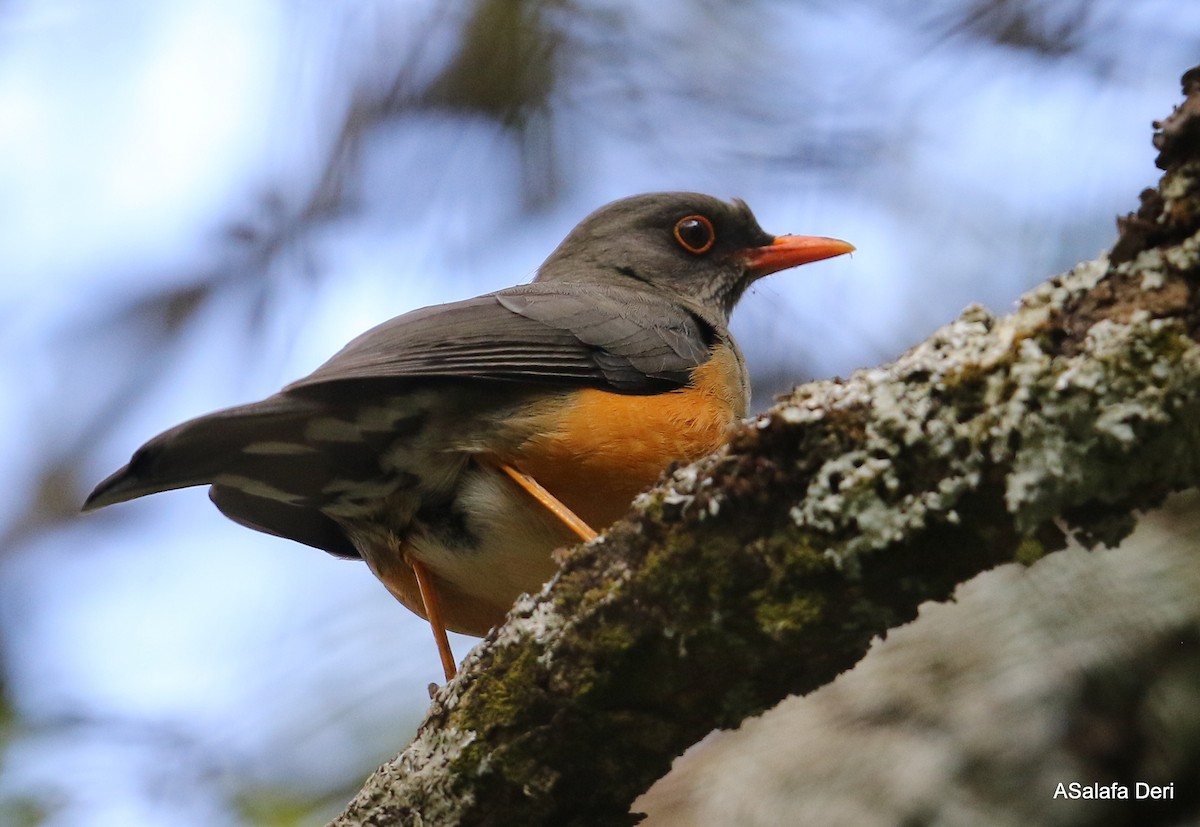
202 200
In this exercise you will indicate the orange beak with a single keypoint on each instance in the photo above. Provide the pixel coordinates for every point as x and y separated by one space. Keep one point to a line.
791 251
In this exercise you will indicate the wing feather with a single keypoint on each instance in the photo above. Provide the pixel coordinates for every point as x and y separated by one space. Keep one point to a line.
563 334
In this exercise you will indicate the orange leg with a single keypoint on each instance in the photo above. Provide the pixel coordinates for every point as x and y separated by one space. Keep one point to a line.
552 503
433 611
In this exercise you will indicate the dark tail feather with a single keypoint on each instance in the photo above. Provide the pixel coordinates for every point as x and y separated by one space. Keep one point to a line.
195 452
304 525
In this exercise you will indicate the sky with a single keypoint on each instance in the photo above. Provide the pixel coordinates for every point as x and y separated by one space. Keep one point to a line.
201 201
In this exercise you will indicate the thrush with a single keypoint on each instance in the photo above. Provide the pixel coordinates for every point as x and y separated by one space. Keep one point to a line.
455 447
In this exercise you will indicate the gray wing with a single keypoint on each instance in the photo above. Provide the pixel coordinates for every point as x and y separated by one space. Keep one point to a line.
560 334
268 470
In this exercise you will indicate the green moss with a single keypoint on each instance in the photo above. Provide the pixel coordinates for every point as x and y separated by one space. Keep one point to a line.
503 692
776 617
1029 551
688 572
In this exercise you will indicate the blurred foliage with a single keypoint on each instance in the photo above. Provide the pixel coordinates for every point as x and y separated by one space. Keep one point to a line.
16 810
23 812
263 807
8 715
1050 29
505 66
505 69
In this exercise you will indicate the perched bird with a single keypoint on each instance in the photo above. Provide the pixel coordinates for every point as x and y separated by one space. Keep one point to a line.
453 448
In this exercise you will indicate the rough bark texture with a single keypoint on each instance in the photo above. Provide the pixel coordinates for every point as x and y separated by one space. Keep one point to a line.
1082 669
766 570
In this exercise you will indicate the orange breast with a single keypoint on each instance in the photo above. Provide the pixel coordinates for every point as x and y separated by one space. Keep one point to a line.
601 449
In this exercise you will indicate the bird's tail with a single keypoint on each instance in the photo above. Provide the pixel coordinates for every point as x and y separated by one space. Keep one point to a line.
200 450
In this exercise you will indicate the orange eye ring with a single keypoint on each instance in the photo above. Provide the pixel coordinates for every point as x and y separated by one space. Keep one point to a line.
695 234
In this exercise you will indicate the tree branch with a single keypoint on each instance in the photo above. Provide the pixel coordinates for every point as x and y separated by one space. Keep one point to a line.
1066 694
765 570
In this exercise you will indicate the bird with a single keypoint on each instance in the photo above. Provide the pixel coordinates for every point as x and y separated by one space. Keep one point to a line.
454 448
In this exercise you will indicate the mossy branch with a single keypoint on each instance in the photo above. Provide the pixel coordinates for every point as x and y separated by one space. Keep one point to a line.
765 570
1061 694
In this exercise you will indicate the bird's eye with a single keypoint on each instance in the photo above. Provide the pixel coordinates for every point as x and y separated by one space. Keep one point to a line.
695 233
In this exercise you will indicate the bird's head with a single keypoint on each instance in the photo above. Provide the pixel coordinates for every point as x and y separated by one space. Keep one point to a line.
700 248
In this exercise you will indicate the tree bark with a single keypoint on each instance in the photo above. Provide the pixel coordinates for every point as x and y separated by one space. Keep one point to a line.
1065 694
765 570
